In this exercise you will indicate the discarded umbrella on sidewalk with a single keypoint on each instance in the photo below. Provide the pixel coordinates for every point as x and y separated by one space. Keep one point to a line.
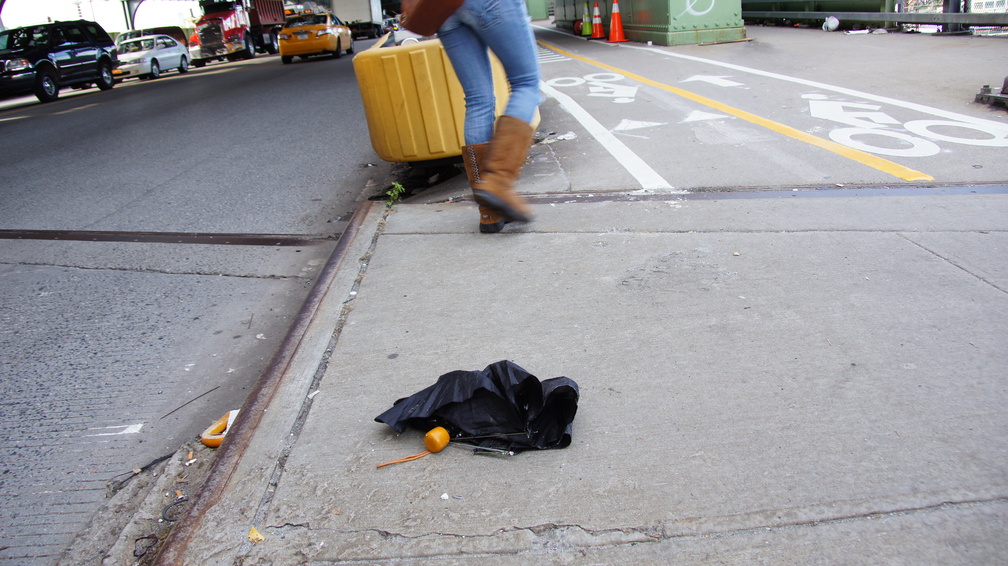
500 409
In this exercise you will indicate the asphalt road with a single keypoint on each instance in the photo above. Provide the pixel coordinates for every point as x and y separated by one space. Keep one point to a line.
117 351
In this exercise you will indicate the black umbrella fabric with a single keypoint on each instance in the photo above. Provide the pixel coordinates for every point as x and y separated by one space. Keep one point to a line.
502 407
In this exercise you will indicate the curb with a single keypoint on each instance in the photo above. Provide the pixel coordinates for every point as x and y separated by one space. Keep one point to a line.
231 451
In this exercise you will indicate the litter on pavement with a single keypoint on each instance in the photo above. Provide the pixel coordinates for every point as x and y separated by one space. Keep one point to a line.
502 408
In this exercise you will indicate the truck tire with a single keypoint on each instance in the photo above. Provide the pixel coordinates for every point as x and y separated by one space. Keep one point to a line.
273 47
250 48
46 88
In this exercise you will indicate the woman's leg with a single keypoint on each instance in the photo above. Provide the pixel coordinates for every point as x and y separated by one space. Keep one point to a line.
504 28
469 58
501 25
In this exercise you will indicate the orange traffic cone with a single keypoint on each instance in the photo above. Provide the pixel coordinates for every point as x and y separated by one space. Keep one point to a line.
586 24
616 25
597 32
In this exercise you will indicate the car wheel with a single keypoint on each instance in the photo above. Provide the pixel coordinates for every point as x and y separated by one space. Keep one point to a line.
286 59
155 69
183 65
339 50
350 51
105 78
46 87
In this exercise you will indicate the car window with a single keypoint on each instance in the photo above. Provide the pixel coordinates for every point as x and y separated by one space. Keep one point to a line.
21 38
98 32
165 43
336 21
40 36
309 20
59 38
69 35
134 45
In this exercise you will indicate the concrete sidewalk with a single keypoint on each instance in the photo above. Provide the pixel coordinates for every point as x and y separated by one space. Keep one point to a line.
797 379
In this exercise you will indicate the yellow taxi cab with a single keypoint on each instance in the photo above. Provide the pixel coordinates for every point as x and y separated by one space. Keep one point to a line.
314 34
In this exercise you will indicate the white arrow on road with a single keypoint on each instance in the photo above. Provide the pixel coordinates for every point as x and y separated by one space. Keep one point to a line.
717 81
698 116
627 125
126 429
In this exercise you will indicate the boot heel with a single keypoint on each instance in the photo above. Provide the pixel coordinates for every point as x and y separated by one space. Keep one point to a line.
499 205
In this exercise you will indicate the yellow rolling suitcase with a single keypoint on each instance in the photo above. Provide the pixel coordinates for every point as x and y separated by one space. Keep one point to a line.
413 101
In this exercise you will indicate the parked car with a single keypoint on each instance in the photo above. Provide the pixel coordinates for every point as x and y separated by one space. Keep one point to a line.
46 57
314 34
175 32
146 57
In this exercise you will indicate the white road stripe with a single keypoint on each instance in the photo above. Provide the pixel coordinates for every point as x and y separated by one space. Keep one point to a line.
649 179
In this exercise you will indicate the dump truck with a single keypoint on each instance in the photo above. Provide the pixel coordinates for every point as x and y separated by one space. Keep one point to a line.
236 30
363 17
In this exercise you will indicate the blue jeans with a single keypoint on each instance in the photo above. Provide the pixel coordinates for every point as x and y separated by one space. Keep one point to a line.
503 27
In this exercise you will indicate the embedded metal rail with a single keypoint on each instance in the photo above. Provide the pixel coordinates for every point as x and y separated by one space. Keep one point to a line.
223 239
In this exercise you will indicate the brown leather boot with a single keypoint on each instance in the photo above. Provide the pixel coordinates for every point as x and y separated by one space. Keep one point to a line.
508 150
474 156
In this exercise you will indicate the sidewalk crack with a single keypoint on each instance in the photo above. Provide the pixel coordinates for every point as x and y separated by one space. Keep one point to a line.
953 263
866 516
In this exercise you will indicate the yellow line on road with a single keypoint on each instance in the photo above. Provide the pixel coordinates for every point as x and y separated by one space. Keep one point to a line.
862 157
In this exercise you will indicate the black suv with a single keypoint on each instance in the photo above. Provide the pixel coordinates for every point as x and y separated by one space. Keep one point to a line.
45 57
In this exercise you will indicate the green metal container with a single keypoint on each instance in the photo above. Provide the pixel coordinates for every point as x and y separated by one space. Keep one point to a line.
665 22
538 9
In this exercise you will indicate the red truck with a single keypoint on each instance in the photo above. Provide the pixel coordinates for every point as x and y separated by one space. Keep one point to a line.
236 30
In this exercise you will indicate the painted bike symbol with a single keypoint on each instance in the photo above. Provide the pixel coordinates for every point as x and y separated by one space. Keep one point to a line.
599 84
868 130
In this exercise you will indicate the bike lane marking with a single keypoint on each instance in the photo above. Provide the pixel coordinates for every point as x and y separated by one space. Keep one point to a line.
649 179
980 122
859 156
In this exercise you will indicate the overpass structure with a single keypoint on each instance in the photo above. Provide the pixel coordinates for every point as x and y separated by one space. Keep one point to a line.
130 8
